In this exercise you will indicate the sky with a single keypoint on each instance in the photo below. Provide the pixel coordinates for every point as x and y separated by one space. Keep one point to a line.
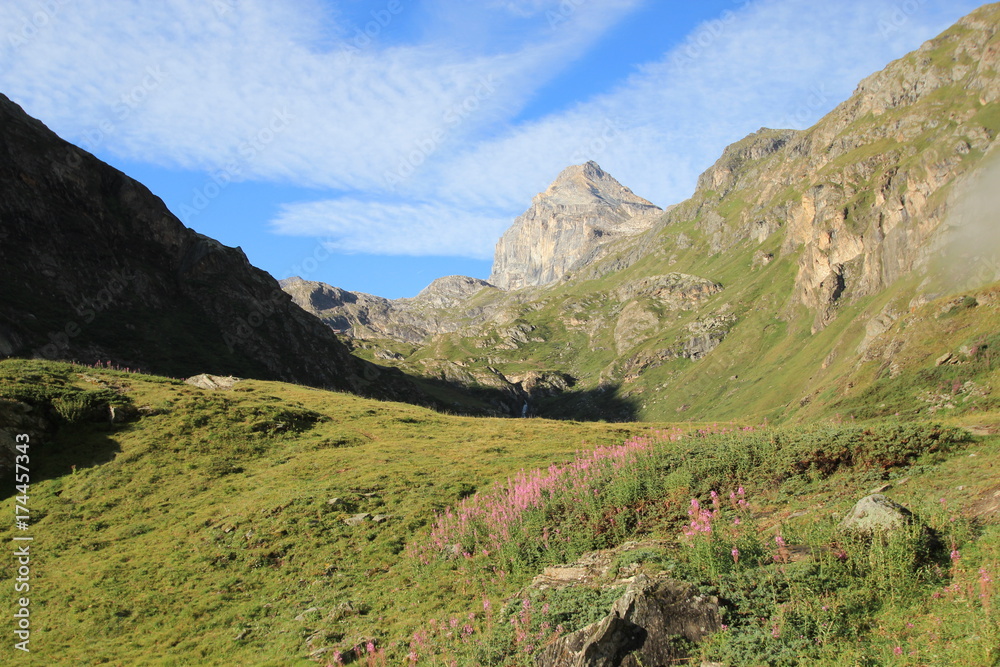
378 145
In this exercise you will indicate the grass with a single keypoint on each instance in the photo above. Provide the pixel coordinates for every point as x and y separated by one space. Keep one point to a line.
201 528
211 527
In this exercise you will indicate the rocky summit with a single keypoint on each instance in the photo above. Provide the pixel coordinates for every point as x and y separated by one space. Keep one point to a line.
567 226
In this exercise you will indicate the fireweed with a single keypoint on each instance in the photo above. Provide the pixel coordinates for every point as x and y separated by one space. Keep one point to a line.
594 501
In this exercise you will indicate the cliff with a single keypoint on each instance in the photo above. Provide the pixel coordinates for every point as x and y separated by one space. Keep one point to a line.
583 211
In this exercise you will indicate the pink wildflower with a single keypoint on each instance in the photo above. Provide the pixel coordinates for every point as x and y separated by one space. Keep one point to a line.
736 555
955 555
898 650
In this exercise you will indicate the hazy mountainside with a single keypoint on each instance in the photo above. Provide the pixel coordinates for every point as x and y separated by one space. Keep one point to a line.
774 284
95 268
568 226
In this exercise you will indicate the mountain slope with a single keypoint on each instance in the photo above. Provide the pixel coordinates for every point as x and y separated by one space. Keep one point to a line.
94 267
800 248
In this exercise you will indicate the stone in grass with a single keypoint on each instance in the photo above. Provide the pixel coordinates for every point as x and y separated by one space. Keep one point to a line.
651 624
357 519
304 616
876 514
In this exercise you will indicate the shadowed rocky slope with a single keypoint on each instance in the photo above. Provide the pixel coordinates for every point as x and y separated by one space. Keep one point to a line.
94 267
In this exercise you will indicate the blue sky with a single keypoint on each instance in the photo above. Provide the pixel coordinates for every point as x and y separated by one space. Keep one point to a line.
377 145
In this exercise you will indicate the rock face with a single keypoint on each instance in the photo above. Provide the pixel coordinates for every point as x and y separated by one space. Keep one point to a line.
642 628
867 188
94 267
583 211
441 307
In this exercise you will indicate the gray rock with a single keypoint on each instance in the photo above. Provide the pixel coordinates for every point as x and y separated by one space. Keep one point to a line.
306 614
357 519
206 381
641 628
876 514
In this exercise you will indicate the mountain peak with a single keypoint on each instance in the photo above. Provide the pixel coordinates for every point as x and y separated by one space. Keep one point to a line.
588 184
582 211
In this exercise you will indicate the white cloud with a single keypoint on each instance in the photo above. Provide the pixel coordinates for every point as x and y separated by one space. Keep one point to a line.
359 112
267 92
776 63
354 226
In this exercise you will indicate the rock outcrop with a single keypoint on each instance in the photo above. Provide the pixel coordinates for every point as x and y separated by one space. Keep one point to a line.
642 628
583 211
441 307
864 194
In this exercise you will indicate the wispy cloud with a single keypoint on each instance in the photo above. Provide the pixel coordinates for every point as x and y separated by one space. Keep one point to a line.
412 145
376 228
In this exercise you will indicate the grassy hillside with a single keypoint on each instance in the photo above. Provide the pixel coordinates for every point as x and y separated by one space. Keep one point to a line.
199 530
214 527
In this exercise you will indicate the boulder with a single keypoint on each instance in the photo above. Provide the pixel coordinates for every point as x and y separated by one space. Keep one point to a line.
643 628
206 381
876 514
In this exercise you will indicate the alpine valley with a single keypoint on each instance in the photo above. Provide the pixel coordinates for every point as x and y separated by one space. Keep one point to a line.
713 386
